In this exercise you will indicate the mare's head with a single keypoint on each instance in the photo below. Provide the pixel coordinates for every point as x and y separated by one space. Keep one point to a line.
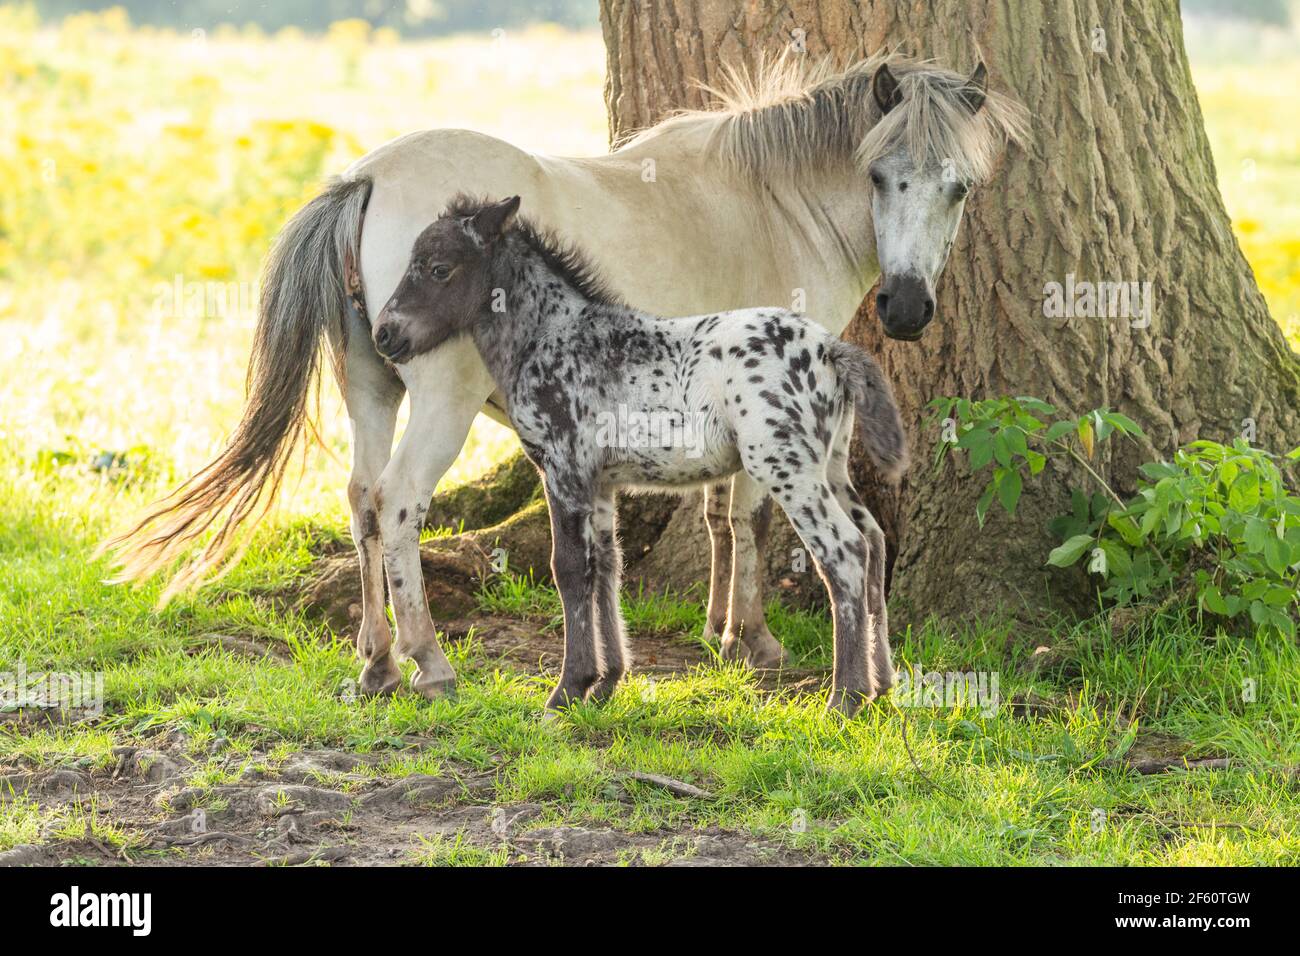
915 136
937 138
447 285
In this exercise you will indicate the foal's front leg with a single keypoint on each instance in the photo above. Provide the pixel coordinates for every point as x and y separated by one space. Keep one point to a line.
573 563
609 612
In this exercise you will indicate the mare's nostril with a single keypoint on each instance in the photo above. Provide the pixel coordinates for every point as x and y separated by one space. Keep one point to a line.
929 309
882 304
383 335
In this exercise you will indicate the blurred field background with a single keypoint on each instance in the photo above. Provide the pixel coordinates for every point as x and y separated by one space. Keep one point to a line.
144 170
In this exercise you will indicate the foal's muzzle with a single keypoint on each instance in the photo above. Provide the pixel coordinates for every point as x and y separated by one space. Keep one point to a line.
391 342
905 305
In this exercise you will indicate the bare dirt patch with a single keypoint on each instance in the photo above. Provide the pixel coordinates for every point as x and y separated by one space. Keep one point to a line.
326 806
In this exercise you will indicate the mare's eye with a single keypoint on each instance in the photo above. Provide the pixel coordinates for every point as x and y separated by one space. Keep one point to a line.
440 272
877 180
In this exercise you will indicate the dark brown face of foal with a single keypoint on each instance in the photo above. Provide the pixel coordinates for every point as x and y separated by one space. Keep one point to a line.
447 286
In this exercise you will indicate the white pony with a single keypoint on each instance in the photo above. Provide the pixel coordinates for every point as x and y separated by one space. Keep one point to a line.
803 188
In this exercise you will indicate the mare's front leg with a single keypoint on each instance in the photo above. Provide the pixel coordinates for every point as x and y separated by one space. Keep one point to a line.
372 394
573 563
447 386
747 636
717 516
613 654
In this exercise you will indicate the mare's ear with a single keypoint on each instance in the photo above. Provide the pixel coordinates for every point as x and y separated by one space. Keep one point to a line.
977 87
490 221
884 86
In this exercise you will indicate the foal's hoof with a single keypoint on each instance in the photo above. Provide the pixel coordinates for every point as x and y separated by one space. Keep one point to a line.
847 703
434 686
567 694
380 678
603 689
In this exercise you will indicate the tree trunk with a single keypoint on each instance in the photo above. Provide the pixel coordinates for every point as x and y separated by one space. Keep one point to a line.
1116 183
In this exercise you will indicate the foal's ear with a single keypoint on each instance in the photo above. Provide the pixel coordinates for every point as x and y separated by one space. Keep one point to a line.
885 88
977 87
490 221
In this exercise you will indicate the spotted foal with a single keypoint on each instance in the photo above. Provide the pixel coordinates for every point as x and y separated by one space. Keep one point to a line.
604 397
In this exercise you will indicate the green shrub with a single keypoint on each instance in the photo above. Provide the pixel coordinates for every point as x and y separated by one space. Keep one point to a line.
1218 521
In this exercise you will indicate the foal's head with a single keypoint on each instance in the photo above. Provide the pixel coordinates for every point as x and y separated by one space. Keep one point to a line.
447 286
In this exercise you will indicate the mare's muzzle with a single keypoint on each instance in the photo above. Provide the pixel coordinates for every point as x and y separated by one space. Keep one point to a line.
905 305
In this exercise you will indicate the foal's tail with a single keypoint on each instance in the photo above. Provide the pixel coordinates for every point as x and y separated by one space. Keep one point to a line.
303 296
878 419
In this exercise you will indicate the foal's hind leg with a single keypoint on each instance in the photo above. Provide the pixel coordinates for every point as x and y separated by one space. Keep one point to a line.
747 637
881 663
609 613
839 550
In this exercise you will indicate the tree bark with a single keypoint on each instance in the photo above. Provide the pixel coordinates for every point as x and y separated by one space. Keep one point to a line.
1116 183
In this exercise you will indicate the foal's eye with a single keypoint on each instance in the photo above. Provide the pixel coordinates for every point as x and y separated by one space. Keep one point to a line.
440 272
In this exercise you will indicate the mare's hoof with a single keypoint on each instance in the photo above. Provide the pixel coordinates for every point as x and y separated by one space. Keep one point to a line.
380 678
732 649
771 657
761 652
434 687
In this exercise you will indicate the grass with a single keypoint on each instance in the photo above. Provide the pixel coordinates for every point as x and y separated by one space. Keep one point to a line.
162 165
985 789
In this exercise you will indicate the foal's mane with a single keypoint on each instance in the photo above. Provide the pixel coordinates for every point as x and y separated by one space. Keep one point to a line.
572 264
790 111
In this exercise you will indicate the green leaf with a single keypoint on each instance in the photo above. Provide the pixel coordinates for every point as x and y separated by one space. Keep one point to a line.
1244 494
1279 596
1066 554
1032 404
1213 600
1124 424
1256 535
1001 450
982 507
1127 528
1117 557
1277 555
1155 470
1259 613
1009 490
1058 430
1016 442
